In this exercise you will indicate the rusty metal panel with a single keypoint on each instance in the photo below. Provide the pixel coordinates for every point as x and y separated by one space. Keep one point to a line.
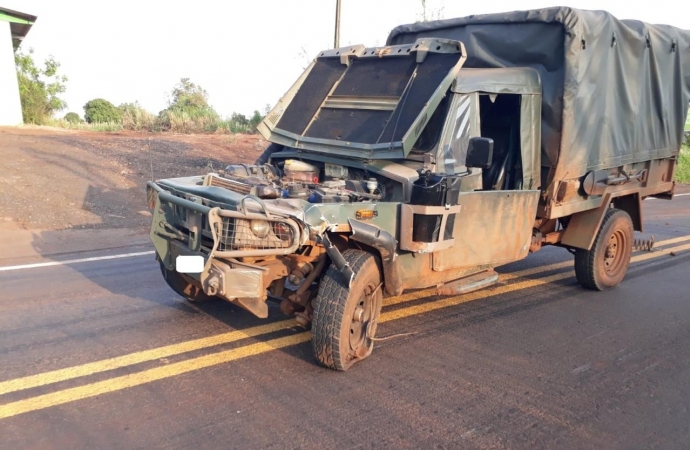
582 227
407 213
493 227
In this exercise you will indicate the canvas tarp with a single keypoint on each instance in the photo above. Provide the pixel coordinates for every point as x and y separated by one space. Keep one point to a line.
614 92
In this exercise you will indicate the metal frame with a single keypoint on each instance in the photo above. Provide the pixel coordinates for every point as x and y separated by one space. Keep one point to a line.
388 150
215 217
407 213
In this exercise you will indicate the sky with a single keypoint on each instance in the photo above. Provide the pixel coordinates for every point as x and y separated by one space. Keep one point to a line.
245 54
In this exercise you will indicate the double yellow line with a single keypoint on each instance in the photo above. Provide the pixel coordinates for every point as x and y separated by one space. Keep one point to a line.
170 370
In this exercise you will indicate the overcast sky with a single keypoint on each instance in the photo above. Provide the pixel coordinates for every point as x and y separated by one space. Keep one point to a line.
246 54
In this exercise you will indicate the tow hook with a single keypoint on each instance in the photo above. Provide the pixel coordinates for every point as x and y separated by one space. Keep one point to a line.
212 286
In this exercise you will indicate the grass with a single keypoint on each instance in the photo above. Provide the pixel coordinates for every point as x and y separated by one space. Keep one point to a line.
683 170
104 126
175 122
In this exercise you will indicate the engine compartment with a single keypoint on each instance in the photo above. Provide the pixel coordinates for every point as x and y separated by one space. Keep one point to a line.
311 182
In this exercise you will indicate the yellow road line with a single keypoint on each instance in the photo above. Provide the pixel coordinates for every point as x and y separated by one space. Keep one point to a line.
416 295
566 264
445 302
671 241
512 287
158 373
68 373
146 376
117 362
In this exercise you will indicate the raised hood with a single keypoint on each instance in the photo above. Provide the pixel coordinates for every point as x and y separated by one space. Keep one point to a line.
365 102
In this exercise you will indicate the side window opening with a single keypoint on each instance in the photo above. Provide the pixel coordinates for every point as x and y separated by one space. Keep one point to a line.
500 121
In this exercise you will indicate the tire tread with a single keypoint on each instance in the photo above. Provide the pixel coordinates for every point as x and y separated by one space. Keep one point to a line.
585 260
329 309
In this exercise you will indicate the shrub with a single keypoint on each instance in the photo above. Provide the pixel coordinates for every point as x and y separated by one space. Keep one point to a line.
188 110
255 120
101 111
180 121
136 118
239 119
39 88
683 170
72 117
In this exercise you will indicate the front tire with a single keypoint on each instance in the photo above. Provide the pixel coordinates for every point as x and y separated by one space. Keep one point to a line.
345 317
184 287
606 263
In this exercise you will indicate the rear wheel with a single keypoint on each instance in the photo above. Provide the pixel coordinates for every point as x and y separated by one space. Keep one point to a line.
184 286
345 317
606 263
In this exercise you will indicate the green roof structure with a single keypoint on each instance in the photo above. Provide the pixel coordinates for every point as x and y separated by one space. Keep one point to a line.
20 24
14 26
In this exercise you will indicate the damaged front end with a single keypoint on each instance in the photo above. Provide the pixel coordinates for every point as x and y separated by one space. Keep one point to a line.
248 251
267 232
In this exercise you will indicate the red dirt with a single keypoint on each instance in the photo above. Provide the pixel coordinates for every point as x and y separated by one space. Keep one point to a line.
56 179
51 178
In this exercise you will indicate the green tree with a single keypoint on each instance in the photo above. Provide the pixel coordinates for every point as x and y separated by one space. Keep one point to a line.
188 110
255 120
39 87
187 96
100 111
72 117
239 119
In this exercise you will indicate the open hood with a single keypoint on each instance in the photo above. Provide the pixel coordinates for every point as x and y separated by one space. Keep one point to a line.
366 102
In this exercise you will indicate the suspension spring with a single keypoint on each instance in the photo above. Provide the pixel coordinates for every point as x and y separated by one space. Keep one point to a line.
645 245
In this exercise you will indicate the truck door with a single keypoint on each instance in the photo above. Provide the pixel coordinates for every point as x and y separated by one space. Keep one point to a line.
494 225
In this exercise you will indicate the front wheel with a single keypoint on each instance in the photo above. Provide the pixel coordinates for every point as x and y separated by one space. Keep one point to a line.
606 263
345 317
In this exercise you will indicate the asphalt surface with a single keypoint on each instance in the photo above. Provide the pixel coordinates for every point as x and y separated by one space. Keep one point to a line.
101 354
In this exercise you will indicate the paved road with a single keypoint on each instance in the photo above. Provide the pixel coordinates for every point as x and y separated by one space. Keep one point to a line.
100 354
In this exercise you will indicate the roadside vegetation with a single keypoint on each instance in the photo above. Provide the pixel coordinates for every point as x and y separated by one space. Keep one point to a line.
188 110
683 171
39 88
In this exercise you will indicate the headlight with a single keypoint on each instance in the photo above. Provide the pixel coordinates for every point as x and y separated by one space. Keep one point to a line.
282 231
260 228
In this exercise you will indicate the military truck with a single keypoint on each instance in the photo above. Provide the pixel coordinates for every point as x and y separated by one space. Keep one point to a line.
459 146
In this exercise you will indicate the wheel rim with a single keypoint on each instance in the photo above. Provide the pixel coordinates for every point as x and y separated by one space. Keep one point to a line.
361 318
614 253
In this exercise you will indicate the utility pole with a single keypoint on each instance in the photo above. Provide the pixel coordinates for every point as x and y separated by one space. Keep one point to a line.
337 24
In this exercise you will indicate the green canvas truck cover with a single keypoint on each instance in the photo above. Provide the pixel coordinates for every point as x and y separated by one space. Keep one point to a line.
614 91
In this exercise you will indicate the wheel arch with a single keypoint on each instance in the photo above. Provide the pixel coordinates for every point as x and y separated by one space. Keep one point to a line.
384 245
583 226
632 204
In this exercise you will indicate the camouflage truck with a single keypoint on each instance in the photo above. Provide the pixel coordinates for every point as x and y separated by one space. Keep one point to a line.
459 146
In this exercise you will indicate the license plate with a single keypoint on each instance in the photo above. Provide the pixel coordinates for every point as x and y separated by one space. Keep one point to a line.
189 264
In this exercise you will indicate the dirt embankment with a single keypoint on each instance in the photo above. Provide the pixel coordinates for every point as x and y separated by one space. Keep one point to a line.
57 179
53 179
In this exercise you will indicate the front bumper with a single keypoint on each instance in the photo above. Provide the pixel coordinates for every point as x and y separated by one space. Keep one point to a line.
187 226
